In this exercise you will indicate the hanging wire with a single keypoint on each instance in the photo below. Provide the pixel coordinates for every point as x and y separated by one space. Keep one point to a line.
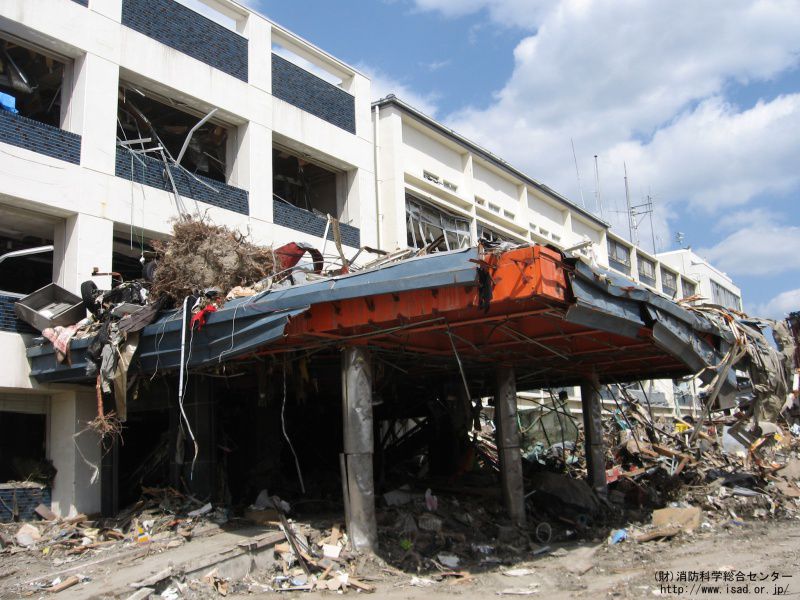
286 435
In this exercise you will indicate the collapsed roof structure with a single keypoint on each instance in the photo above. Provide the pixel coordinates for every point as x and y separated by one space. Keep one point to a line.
492 320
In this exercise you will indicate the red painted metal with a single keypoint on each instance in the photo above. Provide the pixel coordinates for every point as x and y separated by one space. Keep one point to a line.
522 324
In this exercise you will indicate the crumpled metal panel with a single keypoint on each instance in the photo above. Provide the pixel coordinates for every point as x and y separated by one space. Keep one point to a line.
226 334
598 310
247 324
441 269
610 302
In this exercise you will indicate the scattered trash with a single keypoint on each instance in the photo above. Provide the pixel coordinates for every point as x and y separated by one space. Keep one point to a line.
518 572
617 536
450 561
203 510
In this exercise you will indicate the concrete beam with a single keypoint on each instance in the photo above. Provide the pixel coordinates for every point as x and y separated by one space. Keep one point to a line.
359 487
593 435
505 405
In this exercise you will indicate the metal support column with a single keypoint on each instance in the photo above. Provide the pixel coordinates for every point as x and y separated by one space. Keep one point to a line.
593 435
505 406
359 487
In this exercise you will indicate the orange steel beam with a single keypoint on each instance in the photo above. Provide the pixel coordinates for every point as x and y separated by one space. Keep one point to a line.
519 277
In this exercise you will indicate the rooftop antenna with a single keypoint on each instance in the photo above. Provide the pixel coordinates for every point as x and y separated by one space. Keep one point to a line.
631 224
636 211
597 199
679 238
651 210
577 173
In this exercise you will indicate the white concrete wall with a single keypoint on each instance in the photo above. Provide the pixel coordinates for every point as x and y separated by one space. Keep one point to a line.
425 151
15 369
104 51
92 202
487 195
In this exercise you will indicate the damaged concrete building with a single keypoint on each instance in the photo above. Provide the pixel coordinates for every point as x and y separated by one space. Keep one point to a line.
118 120
433 181
98 99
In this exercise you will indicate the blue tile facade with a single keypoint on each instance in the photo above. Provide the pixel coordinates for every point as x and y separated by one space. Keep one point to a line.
298 219
9 320
308 92
187 31
39 137
25 500
152 173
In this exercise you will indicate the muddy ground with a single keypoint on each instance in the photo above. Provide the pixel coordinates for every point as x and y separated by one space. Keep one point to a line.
767 550
756 559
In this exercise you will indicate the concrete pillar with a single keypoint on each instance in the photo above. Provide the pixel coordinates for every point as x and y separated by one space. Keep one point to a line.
109 478
468 193
92 111
390 183
250 165
258 32
76 488
505 406
359 204
593 435
82 242
358 448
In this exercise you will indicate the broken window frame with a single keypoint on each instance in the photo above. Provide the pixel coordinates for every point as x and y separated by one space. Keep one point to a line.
493 236
423 218
309 205
65 63
149 141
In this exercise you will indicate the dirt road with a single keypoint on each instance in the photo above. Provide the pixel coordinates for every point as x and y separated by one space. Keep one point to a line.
749 560
766 552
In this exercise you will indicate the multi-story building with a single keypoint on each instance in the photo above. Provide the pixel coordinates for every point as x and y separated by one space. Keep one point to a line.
712 284
120 115
435 186
433 182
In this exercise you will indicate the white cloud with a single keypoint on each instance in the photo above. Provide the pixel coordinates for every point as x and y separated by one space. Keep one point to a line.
780 306
761 249
436 65
644 83
381 85
510 13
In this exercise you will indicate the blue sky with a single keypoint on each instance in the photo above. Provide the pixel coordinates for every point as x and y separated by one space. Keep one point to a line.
701 101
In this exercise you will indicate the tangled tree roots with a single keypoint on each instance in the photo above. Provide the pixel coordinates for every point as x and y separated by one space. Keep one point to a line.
201 255
106 425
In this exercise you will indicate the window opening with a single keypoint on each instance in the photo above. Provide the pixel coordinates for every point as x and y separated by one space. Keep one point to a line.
669 282
647 271
30 83
26 252
426 224
146 120
304 184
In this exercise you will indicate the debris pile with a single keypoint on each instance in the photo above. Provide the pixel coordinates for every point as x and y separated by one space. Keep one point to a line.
161 516
452 532
200 256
